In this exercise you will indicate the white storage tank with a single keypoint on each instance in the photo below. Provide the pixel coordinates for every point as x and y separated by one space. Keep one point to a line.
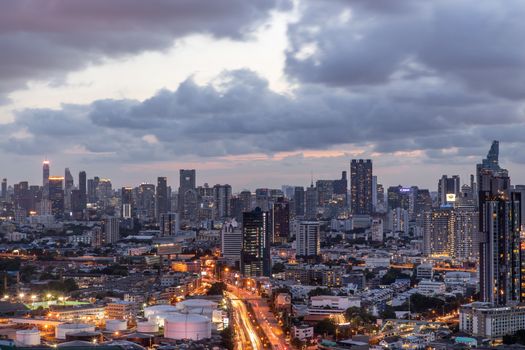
158 309
28 337
189 304
147 327
65 328
187 326
116 325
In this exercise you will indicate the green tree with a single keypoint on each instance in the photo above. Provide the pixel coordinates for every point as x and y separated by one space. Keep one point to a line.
326 326
278 267
217 288
319 291
227 338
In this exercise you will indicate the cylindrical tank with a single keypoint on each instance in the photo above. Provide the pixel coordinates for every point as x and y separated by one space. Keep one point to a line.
159 318
62 329
116 325
187 326
158 309
196 304
147 327
28 337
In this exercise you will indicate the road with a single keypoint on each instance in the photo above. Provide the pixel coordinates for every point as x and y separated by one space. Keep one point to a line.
264 318
246 335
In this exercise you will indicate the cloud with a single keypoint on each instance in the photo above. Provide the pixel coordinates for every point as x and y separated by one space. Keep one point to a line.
238 114
477 44
44 40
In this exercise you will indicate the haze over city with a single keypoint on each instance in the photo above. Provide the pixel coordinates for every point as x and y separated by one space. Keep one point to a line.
260 92
262 175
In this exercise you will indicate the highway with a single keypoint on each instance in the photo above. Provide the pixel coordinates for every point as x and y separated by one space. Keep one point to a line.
246 335
265 318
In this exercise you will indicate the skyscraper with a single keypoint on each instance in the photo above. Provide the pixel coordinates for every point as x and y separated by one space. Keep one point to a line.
308 239
255 254
111 230
169 224
222 195
281 221
4 189
311 203
82 187
188 201
68 187
126 203
298 200
45 179
361 188
448 189
56 195
501 279
161 197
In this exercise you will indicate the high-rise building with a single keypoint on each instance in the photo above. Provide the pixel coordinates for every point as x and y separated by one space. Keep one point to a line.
280 221
311 203
380 206
438 231
45 179
448 189
82 188
169 224
56 195
222 195
111 230
361 186
464 241
298 200
68 187
245 197
145 202
161 197
398 220
4 189
501 278
231 242
308 239
126 203
255 254
325 191
188 198
398 197
377 230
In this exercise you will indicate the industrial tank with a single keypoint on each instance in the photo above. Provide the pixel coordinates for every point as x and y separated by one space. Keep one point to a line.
187 326
28 337
147 327
116 325
62 329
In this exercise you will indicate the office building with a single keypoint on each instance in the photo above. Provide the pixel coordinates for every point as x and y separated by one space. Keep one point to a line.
437 231
222 196
255 254
311 202
448 189
280 221
145 202
464 241
161 197
245 198
82 188
361 186
56 195
169 224
231 242
308 239
188 198
4 189
501 280
298 200
45 179
377 230
398 197
325 191
111 230
398 220
126 203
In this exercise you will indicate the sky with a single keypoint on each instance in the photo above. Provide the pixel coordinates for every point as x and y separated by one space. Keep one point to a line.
260 93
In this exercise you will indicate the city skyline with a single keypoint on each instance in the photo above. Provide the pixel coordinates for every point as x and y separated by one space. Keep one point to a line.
275 99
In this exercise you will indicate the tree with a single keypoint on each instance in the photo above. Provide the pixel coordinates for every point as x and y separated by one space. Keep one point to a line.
359 318
278 267
388 312
319 291
516 338
217 288
391 276
326 326
227 336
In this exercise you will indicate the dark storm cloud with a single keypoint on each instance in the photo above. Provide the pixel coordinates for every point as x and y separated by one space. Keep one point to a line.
239 114
44 39
476 43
